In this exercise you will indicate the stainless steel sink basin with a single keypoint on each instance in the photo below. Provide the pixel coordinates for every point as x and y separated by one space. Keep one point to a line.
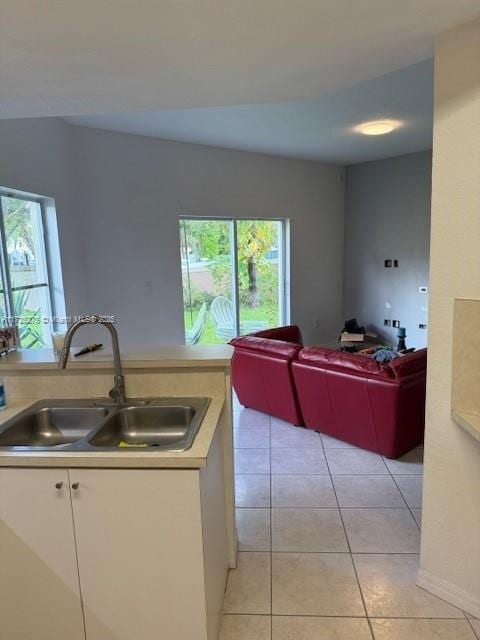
168 424
169 428
52 426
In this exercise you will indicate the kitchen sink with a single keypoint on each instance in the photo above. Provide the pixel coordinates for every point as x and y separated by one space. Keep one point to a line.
167 424
169 428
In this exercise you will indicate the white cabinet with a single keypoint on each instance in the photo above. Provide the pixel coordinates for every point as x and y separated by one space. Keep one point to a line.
140 554
39 588
114 554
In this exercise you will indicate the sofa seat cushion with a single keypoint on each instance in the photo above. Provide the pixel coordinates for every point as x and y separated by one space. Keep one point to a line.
267 346
355 363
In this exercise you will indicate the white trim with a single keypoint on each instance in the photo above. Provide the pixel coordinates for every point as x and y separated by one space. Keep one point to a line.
449 592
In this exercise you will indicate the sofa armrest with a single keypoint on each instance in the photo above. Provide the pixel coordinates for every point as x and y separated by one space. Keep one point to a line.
409 364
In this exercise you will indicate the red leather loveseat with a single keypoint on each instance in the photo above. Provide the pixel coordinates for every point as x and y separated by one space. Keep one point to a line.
351 397
262 372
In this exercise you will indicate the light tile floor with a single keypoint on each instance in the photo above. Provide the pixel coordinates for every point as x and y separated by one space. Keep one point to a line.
329 541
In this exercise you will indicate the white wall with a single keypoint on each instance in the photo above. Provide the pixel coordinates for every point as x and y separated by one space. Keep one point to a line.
387 216
450 557
119 197
37 156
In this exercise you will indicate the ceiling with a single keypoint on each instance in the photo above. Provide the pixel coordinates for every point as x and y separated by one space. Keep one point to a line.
67 57
314 130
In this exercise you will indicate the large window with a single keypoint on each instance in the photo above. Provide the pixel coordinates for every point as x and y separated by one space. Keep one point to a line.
25 298
234 277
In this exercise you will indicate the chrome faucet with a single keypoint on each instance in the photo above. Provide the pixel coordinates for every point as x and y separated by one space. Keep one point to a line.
118 391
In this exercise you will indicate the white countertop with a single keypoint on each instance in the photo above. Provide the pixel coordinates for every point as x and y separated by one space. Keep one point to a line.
149 358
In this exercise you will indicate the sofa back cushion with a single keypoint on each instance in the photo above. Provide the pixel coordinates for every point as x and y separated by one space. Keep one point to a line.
409 364
289 333
277 348
343 361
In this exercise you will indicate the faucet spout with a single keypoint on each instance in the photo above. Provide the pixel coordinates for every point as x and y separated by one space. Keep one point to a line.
117 393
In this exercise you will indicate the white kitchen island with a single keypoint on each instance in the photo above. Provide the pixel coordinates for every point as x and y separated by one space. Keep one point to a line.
118 545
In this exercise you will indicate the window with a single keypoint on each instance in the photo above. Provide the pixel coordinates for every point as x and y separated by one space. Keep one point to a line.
234 276
25 296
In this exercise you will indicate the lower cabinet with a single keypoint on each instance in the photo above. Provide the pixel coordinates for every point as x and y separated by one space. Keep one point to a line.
39 588
107 554
140 554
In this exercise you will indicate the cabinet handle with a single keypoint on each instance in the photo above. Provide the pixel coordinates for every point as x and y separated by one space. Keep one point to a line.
75 485
58 485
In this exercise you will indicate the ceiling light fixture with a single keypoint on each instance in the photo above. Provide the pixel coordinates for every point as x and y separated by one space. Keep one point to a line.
377 127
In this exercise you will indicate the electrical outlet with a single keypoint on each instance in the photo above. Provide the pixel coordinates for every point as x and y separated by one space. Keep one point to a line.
422 289
387 323
395 323
388 264
422 326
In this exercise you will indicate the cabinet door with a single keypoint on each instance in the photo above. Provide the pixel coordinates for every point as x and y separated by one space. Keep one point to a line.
39 589
140 555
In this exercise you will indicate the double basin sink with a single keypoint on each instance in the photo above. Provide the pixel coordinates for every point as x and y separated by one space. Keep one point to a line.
150 424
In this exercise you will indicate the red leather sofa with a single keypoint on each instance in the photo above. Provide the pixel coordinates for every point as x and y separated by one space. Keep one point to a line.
351 397
262 372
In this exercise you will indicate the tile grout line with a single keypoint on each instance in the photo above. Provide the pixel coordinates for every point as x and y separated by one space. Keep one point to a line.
314 615
317 508
401 493
266 473
471 626
337 553
348 541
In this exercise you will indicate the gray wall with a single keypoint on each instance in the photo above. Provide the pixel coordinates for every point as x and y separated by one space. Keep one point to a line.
119 197
37 156
388 216
133 190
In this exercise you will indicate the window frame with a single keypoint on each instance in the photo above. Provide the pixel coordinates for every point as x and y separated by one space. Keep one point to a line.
284 263
8 290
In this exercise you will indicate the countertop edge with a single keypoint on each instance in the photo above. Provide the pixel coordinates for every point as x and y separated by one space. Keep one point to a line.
468 421
214 356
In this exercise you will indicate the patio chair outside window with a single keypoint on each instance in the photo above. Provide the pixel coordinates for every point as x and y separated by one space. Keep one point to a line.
194 335
223 317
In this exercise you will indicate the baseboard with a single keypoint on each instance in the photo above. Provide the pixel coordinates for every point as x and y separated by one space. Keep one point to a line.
449 592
